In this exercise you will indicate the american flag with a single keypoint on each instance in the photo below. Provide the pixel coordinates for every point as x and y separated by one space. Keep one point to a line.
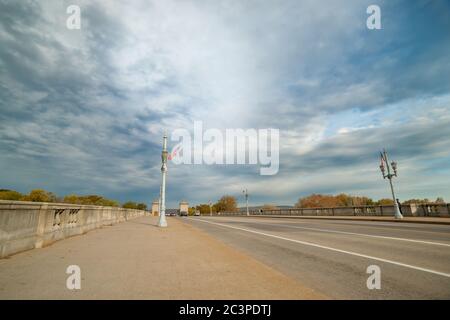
175 151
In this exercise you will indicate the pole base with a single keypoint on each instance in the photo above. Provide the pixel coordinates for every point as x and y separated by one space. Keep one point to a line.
398 215
162 222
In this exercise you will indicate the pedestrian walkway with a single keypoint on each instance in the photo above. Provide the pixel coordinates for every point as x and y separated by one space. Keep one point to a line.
137 260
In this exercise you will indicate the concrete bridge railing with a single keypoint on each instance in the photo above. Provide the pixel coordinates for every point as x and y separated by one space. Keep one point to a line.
410 210
27 225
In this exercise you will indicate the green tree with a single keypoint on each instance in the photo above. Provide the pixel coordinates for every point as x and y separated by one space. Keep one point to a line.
141 206
108 203
130 205
6 194
90 200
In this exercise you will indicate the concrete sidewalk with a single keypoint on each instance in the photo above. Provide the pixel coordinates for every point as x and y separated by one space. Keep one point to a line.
137 260
426 220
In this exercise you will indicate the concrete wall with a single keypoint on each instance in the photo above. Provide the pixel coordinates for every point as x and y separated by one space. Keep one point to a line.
27 225
412 210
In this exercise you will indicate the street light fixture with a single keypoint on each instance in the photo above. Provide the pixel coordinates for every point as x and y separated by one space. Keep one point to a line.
245 192
384 165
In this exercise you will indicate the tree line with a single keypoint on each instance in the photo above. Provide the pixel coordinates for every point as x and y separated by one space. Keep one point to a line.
345 200
40 195
226 203
229 203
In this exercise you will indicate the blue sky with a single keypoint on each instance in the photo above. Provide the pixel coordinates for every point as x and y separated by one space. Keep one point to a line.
83 111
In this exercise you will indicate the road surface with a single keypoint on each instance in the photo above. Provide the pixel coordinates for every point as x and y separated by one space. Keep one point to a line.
332 257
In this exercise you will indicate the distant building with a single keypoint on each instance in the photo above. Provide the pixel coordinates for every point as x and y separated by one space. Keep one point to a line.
184 207
155 208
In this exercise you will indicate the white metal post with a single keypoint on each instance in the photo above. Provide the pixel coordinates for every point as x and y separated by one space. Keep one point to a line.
246 200
210 208
162 222
389 175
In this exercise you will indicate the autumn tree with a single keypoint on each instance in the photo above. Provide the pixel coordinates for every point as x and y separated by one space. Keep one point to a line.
40 195
317 201
203 208
385 202
226 203
330 201
71 198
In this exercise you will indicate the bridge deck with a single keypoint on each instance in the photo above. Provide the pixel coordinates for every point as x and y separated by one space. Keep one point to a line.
137 260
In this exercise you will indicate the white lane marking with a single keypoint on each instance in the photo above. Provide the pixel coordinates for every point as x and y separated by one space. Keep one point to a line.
358 234
329 248
369 223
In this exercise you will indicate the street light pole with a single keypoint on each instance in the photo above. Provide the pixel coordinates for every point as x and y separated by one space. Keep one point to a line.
246 199
389 175
159 202
210 208
162 215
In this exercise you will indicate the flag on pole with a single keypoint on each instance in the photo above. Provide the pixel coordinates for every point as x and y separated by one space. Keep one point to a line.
381 160
176 152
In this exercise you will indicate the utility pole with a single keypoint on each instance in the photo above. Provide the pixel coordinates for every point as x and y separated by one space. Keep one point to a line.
162 215
383 166
246 199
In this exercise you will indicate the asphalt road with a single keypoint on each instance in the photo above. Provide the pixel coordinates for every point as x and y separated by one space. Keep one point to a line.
332 257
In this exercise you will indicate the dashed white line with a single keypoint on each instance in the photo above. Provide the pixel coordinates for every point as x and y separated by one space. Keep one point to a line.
447 275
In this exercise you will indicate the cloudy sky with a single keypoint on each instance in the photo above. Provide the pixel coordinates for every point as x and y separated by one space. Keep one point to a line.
83 111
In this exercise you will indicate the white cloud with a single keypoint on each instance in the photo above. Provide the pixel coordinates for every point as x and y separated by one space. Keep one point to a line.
99 98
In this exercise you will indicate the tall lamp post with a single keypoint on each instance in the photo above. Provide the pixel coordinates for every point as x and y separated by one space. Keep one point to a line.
159 202
162 214
210 208
384 165
245 192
